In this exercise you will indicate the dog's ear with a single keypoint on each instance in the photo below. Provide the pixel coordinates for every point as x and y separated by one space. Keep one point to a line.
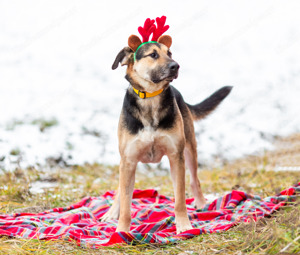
134 42
123 57
166 40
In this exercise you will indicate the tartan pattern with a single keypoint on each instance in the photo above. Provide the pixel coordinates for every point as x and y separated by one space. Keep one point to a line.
153 218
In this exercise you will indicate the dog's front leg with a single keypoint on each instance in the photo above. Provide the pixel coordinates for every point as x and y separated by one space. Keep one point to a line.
126 186
178 174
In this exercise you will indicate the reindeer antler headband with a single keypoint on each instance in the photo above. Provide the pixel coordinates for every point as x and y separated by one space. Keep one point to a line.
134 42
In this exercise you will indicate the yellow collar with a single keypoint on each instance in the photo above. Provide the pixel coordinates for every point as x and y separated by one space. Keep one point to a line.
145 95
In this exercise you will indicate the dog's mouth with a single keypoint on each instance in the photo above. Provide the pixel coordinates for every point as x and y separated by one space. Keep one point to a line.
171 77
168 78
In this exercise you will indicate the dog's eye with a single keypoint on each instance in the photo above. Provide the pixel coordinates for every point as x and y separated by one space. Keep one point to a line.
154 55
169 54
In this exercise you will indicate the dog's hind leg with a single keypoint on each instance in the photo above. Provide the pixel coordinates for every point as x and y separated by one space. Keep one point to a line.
114 211
190 153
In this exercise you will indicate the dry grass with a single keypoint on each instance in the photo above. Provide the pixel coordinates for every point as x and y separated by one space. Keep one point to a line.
253 174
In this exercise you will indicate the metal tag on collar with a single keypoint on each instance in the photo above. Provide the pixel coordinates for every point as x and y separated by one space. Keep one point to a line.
144 93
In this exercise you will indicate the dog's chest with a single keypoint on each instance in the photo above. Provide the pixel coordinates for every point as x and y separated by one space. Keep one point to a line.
151 140
150 115
150 145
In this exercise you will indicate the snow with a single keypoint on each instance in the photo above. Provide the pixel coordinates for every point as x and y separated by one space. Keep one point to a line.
40 187
56 57
287 168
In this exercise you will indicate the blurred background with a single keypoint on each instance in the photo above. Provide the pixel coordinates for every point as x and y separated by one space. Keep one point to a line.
60 101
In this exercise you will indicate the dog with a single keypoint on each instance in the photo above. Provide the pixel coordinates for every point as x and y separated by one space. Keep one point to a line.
155 121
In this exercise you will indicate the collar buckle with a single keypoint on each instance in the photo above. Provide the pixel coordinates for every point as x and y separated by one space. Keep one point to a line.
143 94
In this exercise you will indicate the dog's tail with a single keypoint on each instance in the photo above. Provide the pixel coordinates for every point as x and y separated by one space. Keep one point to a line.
201 110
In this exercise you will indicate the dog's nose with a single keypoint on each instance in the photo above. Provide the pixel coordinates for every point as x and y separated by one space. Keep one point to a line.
173 66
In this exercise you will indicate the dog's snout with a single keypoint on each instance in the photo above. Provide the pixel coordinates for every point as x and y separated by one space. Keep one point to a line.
173 66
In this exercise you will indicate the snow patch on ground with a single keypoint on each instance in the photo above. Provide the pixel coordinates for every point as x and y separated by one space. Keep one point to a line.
40 187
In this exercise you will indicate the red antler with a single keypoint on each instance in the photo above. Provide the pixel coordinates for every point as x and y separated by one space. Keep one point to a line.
147 30
161 28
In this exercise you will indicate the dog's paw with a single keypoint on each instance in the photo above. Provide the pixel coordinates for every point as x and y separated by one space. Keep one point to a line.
111 214
123 228
199 203
180 229
183 225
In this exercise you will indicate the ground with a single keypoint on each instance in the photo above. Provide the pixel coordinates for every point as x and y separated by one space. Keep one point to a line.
265 175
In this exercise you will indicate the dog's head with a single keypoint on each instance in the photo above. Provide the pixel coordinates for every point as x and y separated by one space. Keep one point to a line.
150 66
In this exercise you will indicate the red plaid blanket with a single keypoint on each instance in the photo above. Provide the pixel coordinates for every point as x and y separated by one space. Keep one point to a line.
152 218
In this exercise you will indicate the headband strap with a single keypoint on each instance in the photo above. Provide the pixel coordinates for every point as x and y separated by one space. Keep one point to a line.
134 57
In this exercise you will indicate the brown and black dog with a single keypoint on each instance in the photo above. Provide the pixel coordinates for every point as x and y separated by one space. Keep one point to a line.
155 121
